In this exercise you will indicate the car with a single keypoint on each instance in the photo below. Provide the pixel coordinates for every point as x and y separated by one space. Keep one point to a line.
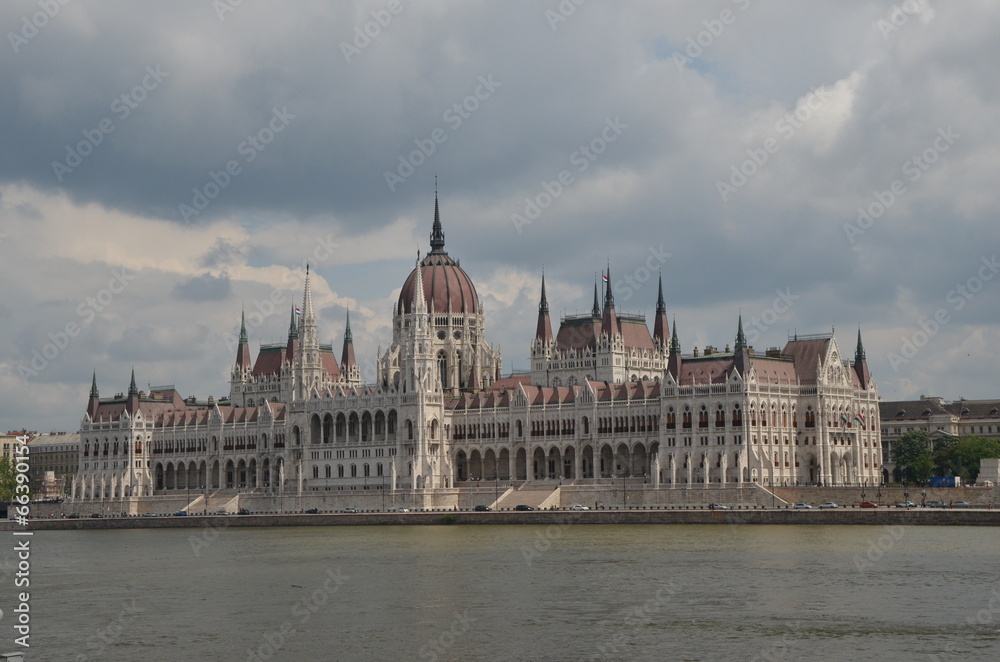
402 510
828 504
73 516
521 506
180 513
482 509
906 504
579 507
802 506
868 504
221 512
97 515
961 504
350 510
312 511
243 511
933 503
149 514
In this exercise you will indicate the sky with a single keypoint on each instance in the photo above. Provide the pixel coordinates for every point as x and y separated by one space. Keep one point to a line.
815 167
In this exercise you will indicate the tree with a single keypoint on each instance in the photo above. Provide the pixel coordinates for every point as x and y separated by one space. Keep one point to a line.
8 479
962 457
908 449
920 469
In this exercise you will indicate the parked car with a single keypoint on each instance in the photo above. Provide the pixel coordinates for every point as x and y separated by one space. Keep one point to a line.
961 504
934 503
802 506
906 504
868 504
481 508
180 513
828 504
402 510
243 511
73 516
312 511
579 507
221 512
521 506
97 515
350 510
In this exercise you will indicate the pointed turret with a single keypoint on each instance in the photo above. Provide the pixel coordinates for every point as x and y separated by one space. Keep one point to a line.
308 363
596 310
243 350
661 327
543 329
674 364
347 360
419 301
132 401
95 399
741 351
610 322
861 364
292 347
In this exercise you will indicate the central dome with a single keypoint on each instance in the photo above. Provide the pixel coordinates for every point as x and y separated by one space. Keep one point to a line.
446 285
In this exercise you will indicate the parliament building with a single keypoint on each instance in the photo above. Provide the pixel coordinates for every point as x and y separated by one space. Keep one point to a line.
606 402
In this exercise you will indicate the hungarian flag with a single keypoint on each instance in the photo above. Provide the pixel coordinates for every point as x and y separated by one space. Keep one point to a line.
859 418
604 276
298 311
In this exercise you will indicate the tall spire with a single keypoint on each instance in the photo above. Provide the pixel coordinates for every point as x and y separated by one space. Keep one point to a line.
861 364
347 361
596 311
437 234
93 387
243 350
674 362
543 330
308 313
95 399
660 325
132 389
293 330
292 346
609 324
419 301
741 339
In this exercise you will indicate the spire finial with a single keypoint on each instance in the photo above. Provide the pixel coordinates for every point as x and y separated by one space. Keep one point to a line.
347 332
596 311
661 307
132 389
675 344
543 305
859 353
293 331
93 387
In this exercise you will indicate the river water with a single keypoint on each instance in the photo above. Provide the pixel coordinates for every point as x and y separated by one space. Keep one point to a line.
548 592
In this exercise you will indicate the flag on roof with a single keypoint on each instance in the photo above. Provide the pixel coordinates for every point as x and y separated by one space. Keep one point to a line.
298 311
604 276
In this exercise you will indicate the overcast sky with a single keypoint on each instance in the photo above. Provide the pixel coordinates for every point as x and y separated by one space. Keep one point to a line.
163 164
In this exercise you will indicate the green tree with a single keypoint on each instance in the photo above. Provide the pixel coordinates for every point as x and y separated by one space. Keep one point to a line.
8 481
908 449
962 457
920 469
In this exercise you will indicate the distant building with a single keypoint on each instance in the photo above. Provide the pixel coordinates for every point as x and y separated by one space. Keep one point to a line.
605 400
54 461
938 418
